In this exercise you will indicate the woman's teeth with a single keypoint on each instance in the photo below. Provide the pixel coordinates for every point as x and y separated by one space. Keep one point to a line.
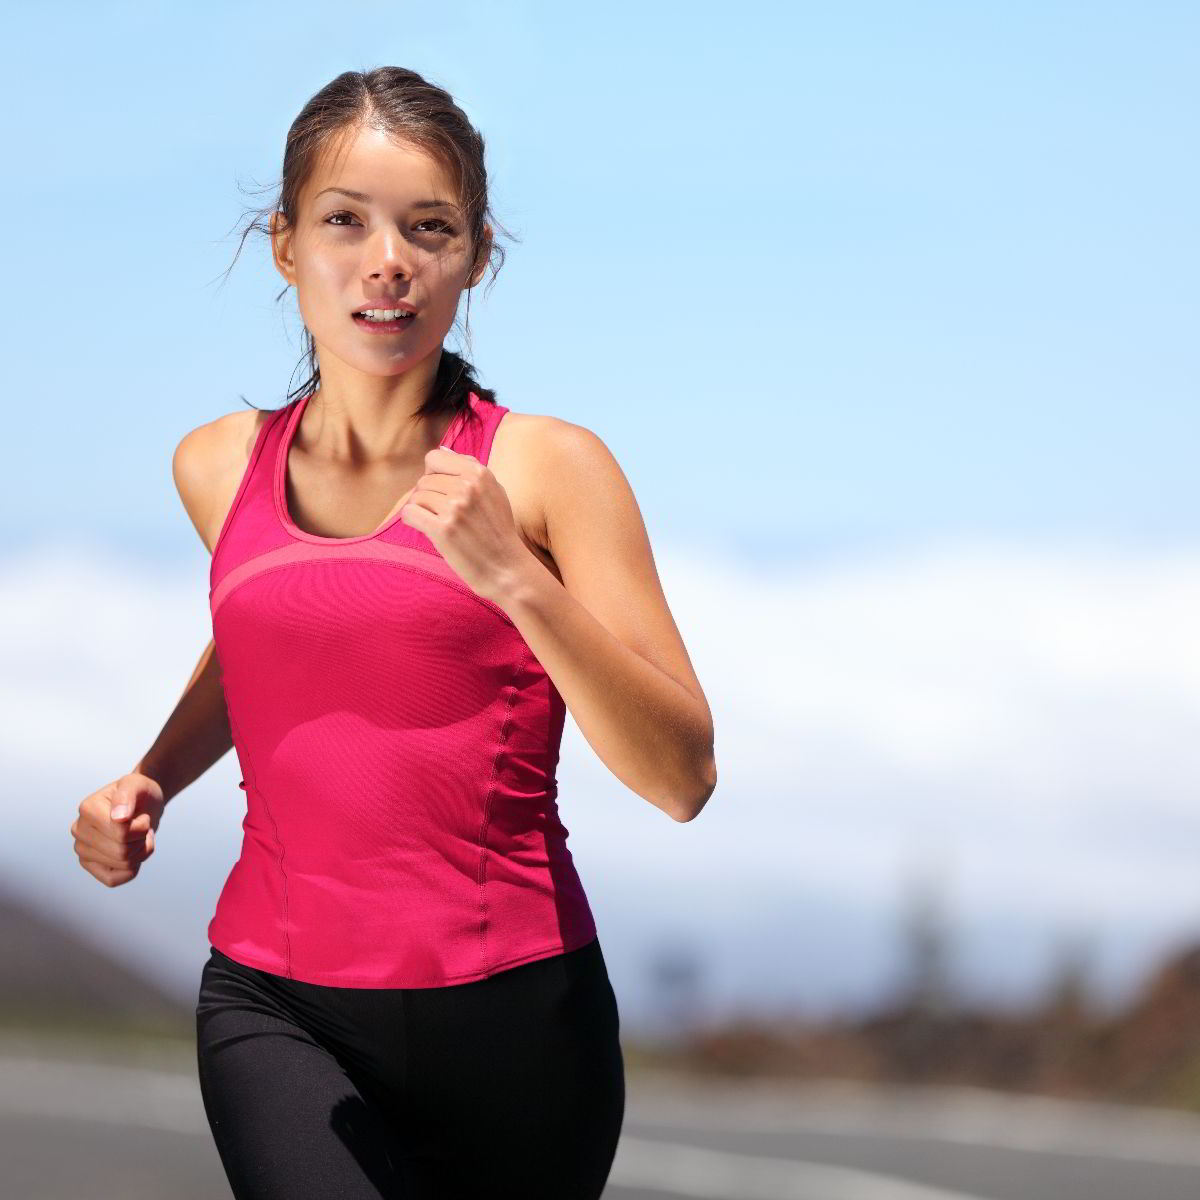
383 314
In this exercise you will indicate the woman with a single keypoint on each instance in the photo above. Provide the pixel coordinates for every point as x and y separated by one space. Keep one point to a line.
410 583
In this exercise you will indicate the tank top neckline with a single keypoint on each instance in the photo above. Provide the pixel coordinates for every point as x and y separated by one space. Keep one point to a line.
280 482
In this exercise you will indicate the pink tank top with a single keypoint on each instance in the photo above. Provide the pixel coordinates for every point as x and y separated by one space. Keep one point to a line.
398 743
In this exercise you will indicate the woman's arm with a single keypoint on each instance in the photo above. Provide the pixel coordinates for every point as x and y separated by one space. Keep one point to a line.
207 466
196 734
605 634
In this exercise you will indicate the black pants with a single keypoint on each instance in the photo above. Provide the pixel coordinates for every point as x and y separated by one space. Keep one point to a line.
510 1086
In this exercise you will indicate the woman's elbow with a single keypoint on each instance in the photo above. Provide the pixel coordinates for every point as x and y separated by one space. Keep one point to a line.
690 808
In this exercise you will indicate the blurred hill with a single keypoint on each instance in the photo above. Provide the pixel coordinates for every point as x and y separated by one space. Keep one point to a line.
53 980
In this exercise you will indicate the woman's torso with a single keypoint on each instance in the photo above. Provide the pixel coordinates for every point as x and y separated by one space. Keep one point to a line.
398 743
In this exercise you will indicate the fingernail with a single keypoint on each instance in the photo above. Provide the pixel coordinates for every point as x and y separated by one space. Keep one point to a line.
118 812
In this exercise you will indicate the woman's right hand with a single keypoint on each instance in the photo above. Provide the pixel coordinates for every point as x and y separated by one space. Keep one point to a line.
113 847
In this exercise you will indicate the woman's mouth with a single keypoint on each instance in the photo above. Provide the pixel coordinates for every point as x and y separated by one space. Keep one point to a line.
383 320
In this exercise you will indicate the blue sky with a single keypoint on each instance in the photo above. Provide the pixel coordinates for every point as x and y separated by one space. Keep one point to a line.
882 308
816 273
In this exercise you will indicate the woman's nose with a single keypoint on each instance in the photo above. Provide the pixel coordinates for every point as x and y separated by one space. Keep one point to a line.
389 254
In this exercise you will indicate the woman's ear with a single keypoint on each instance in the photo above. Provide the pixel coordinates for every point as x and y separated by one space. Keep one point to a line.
482 258
281 247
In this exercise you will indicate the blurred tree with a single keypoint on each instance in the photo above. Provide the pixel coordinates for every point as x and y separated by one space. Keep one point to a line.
676 972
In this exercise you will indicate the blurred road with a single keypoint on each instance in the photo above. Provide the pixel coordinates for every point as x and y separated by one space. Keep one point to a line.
72 1128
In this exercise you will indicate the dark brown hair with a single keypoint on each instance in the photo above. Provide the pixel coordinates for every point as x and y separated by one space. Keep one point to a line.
411 109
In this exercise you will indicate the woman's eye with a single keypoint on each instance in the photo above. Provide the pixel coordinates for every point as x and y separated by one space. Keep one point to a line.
443 226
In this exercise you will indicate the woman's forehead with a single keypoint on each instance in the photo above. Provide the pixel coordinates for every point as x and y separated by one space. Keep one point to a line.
382 169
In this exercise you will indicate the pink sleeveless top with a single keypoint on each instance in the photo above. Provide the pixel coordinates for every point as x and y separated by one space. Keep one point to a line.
398 743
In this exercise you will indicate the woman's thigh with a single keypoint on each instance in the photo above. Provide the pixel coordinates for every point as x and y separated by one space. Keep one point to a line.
515 1084
510 1086
288 1121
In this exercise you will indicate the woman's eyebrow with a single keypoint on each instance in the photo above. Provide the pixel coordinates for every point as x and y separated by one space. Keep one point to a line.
367 199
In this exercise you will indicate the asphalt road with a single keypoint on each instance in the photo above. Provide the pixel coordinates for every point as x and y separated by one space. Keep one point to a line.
74 1128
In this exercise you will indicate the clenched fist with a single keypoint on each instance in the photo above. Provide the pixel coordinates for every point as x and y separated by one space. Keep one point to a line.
114 832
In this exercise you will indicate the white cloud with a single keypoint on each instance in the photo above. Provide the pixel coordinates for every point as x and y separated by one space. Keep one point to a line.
1017 706
1023 716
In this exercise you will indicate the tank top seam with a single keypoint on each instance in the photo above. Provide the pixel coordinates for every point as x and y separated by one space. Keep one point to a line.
253 782
458 586
502 740
260 442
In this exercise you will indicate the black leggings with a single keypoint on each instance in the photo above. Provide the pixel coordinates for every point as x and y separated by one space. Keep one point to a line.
510 1086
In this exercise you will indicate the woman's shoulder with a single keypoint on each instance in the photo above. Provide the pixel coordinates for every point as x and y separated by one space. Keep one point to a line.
209 463
538 437
532 449
538 459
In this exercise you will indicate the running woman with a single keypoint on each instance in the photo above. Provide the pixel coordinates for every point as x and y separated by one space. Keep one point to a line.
410 583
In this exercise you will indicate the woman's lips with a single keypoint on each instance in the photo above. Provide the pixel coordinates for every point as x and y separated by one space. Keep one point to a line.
395 326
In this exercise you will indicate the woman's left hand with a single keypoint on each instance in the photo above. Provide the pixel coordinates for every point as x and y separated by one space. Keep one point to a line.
459 505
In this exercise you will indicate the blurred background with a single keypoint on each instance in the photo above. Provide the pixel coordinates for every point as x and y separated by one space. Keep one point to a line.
889 314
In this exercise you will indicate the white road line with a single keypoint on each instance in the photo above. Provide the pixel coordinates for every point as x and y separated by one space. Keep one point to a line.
721 1175
965 1117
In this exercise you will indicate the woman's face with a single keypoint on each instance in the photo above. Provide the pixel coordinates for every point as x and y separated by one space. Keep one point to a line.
388 242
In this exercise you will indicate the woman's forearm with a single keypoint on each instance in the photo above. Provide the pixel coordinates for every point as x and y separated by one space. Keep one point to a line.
196 734
654 734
